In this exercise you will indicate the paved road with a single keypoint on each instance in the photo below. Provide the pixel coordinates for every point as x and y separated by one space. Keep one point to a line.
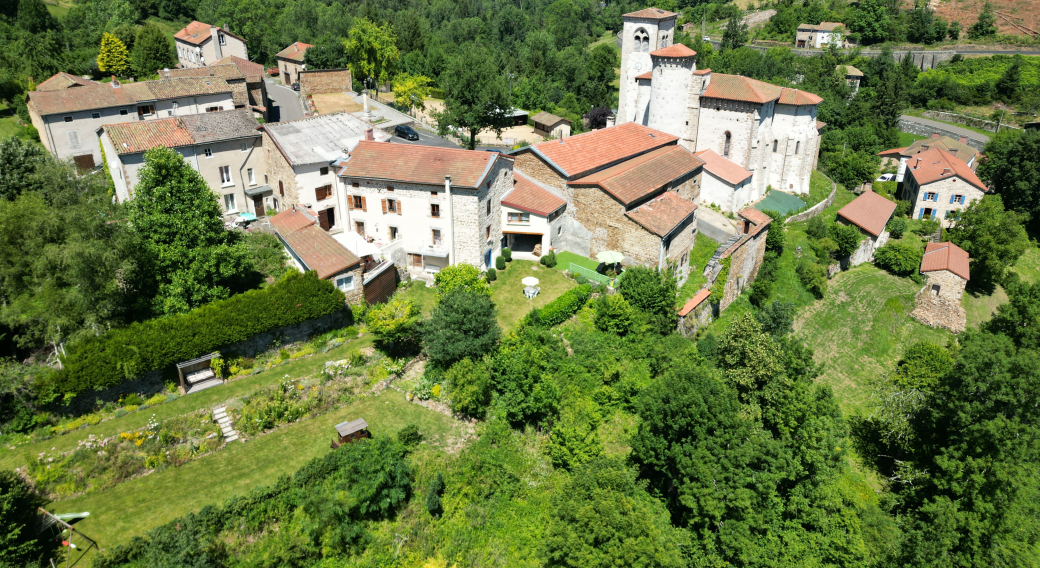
995 52
426 139
945 126
285 103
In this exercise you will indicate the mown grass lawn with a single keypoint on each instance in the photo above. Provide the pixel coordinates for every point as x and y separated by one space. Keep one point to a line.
425 298
564 259
508 291
906 139
134 507
860 329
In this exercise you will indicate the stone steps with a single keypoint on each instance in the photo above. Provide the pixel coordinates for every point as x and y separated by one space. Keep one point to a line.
224 421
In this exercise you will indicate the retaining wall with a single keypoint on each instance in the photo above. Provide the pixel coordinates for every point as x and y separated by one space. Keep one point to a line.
815 209
319 81
971 121
919 129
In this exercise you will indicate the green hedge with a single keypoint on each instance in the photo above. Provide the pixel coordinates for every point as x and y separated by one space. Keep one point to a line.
560 309
125 353
437 94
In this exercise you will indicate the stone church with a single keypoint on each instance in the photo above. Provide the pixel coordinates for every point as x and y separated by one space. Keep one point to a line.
770 131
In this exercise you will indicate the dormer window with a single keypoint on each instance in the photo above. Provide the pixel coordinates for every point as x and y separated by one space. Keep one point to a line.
221 39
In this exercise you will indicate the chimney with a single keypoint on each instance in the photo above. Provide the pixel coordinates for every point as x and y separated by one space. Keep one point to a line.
115 84
947 171
447 184
918 164
953 151
935 135
964 139
166 72
369 135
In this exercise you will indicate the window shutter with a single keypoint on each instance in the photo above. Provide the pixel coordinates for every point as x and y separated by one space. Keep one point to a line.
364 204
74 139
384 206
350 203
323 219
951 198
920 214
398 206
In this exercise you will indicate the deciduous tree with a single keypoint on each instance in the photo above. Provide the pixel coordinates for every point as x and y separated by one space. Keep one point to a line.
152 51
993 238
411 91
371 50
462 325
652 292
113 57
1012 165
394 323
476 94
461 277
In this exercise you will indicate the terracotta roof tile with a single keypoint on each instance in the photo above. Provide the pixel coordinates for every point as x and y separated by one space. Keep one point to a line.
425 165
585 153
695 301
296 51
662 214
869 212
798 98
820 124
955 147
529 196
674 50
850 70
548 119
829 26
144 135
651 14
649 75
252 71
757 217
723 168
935 164
81 98
226 71
737 88
634 179
195 33
187 87
318 250
946 256
62 80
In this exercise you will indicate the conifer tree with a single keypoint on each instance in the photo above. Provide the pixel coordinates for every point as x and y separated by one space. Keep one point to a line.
113 57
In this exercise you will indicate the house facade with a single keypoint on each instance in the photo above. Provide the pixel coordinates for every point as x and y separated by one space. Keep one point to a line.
311 248
300 163
224 147
290 62
199 44
946 273
725 183
245 78
530 213
957 148
68 119
939 186
427 208
870 213
816 36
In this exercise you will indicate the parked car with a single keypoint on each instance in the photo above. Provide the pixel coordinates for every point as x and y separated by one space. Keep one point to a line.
296 86
886 177
406 132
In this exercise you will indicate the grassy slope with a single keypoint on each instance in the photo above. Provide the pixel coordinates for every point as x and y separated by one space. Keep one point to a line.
703 248
508 292
134 507
906 139
423 297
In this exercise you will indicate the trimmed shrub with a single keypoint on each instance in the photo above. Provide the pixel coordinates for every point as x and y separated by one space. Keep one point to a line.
560 309
500 262
492 275
896 227
507 254
901 259
549 260
125 353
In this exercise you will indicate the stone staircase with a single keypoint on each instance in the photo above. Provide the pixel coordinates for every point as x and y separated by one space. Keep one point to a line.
714 265
220 415
937 236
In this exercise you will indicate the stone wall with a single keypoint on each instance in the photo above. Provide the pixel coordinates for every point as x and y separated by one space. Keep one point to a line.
941 308
318 81
815 209
532 166
280 175
967 120
923 60
605 217
744 264
701 316
865 251
919 129
357 295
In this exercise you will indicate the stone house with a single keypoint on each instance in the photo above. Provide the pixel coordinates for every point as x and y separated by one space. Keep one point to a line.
290 62
938 303
311 248
696 313
549 125
224 147
606 177
853 77
62 80
816 36
725 183
199 45
958 148
426 207
316 81
869 212
939 185
530 211
300 163
745 251
769 130
68 118
245 78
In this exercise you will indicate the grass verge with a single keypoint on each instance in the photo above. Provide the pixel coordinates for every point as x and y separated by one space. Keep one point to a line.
565 258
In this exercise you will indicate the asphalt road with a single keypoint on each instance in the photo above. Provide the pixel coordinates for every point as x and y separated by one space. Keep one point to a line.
951 127
285 103
426 139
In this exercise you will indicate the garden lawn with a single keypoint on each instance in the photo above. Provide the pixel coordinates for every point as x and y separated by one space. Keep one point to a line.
1028 265
508 292
906 139
425 298
702 251
564 259
819 187
860 329
981 307
208 398
136 506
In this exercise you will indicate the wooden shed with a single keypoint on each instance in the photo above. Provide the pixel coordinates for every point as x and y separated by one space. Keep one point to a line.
198 374
351 431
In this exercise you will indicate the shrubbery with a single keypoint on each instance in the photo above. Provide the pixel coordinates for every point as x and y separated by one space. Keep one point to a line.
560 309
813 276
899 258
123 354
896 227
614 314
507 254
847 237
500 262
492 275
549 260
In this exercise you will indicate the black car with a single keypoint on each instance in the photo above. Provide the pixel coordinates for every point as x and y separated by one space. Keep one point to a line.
296 86
406 132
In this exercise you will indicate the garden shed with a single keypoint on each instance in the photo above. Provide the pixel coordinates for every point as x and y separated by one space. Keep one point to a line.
351 431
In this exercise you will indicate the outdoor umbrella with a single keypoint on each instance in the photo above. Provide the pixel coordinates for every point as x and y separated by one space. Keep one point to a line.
530 281
610 257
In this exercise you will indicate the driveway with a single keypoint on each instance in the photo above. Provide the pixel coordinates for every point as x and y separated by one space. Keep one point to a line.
945 126
285 103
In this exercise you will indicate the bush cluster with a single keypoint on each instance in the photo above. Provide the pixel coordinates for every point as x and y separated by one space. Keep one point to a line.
123 354
899 258
560 309
549 260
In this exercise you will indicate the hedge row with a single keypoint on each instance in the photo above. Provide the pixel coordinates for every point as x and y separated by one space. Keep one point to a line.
560 309
125 353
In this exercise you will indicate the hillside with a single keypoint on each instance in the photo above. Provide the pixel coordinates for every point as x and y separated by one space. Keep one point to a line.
1014 17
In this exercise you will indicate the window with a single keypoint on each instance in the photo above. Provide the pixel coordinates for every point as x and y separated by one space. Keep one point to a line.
935 289
73 138
436 237
389 188
245 146
95 115
433 193
355 184
641 41
957 199
489 207
487 232
775 145
208 152
68 119
394 234
225 175
174 106
323 192
222 39
356 199
213 109
229 202
519 217
251 176
391 205
281 188
931 196
274 201
145 110
323 171
435 210
327 218
725 147
123 112
359 228
797 146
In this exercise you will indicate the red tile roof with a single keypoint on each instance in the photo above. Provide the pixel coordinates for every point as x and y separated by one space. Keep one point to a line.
228 72
81 98
820 124
197 32
737 88
296 51
62 80
528 196
955 147
419 164
798 98
662 214
869 212
936 164
313 246
651 14
649 75
140 136
757 217
945 256
634 179
893 153
723 168
252 71
695 301
548 119
585 153
674 50
829 26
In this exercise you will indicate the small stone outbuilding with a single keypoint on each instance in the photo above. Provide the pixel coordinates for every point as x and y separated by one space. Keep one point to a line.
938 303
311 248
870 212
